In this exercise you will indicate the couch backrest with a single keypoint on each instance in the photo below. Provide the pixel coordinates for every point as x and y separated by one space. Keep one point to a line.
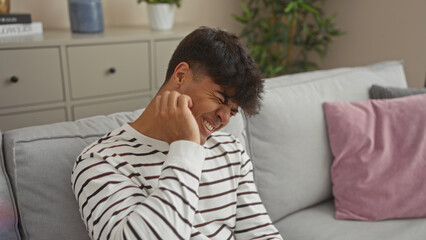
39 162
288 140
8 213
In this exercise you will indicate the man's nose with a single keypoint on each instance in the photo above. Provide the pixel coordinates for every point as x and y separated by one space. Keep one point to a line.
224 114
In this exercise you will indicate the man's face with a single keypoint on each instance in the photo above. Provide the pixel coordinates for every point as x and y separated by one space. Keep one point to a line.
212 107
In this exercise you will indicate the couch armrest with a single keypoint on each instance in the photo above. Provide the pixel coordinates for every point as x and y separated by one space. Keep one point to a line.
8 213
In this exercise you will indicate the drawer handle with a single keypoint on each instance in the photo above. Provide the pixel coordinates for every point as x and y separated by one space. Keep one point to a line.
14 79
112 70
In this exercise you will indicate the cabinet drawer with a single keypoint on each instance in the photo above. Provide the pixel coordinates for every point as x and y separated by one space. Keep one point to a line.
108 69
104 108
163 52
38 75
26 119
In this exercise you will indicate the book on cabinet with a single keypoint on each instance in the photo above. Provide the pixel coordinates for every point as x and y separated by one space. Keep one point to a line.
15 18
7 30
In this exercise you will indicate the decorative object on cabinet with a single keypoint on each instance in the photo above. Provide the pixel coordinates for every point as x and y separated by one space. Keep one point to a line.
161 13
281 34
82 75
13 30
15 18
4 6
86 16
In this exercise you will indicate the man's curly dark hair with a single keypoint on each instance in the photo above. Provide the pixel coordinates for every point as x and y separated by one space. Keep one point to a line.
221 56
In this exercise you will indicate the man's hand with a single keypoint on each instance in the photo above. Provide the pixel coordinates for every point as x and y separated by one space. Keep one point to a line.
172 111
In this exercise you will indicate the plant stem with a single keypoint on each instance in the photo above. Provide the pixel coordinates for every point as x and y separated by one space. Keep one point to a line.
290 41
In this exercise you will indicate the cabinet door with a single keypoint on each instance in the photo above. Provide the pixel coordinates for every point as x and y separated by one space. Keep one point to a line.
18 120
105 108
110 69
163 52
30 76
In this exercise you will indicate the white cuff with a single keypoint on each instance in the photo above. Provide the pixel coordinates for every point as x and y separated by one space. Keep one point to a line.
186 154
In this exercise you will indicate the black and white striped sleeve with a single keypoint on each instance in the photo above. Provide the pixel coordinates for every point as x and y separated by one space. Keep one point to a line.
252 220
115 207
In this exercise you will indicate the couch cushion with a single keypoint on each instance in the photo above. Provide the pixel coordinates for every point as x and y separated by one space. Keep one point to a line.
236 127
381 92
8 216
318 223
39 161
380 157
288 141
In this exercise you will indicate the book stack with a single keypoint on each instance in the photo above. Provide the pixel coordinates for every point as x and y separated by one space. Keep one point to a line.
19 25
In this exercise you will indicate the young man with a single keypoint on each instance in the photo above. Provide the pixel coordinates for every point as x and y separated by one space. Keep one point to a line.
169 174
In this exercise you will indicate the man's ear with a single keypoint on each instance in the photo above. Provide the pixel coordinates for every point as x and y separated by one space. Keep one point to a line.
181 72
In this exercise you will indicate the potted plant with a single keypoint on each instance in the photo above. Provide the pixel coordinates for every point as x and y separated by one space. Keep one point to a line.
161 13
281 34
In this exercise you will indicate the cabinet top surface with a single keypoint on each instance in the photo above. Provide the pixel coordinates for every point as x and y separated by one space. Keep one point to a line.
110 34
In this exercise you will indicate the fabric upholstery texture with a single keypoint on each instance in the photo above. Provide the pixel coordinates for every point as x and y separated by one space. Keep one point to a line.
8 216
381 92
380 157
318 223
288 139
39 161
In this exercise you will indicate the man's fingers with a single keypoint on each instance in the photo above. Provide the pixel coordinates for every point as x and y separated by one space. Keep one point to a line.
169 102
157 103
172 102
175 117
184 101
164 103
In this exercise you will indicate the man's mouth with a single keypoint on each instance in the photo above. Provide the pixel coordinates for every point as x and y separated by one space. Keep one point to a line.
208 126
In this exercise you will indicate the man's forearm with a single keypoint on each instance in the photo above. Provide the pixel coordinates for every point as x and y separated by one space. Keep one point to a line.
127 210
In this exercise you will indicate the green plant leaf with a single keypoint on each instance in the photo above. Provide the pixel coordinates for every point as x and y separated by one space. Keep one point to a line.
308 8
281 34
240 19
265 25
289 7
246 10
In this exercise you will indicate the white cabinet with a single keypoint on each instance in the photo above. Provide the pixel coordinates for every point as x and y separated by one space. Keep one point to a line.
30 76
163 50
30 118
64 76
114 68
108 107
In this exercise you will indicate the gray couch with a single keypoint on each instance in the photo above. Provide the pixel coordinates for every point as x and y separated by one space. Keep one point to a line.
287 142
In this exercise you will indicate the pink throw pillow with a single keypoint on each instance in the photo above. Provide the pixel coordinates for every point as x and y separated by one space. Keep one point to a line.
379 148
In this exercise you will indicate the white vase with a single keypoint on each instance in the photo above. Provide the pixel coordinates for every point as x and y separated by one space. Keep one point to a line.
161 16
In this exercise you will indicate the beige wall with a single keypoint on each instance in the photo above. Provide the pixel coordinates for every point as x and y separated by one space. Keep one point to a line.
214 13
376 30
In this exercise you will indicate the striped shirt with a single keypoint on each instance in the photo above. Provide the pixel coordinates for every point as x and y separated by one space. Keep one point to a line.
130 186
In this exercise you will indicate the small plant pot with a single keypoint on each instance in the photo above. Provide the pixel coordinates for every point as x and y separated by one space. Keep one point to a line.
161 16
